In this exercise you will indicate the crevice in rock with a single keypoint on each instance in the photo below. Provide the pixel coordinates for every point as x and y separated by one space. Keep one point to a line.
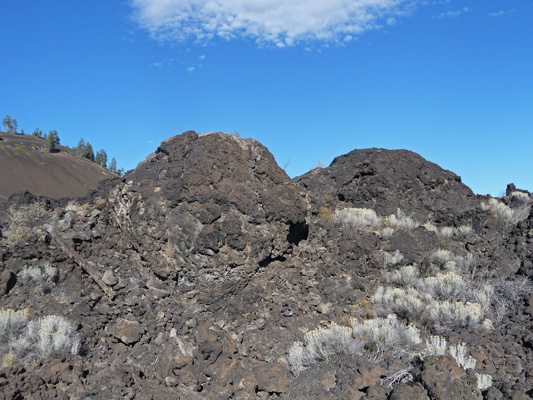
265 262
297 232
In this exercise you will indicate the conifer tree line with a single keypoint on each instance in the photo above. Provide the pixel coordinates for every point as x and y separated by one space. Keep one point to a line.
83 149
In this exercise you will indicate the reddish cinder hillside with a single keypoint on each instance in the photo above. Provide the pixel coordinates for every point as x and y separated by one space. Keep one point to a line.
24 164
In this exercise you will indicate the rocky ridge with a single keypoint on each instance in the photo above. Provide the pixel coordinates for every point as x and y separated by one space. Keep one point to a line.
218 262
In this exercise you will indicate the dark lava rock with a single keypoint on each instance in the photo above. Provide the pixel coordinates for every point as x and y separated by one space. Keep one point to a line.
219 262
213 205
444 379
385 180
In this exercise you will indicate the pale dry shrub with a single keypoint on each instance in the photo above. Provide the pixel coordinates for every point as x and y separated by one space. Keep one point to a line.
405 276
359 218
430 227
392 258
509 296
46 273
521 196
449 315
386 233
54 333
16 234
77 207
446 231
386 336
400 221
19 230
441 256
459 352
29 214
407 303
372 338
501 210
436 345
24 339
443 286
321 344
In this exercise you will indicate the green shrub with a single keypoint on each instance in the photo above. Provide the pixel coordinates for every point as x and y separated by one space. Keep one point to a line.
21 148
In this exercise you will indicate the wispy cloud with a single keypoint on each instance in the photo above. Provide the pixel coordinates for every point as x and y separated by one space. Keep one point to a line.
454 14
501 13
278 22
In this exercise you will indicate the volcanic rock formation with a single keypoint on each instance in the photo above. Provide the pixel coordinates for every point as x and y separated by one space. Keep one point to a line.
215 263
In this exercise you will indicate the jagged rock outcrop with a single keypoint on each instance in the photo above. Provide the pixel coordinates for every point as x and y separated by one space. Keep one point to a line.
210 207
217 263
385 180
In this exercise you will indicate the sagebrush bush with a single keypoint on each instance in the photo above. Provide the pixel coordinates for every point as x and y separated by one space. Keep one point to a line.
446 286
366 219
521 196
321 344
392 258
510 215
25 339
21 219
388 336
448 315
371 338
446 300
358 218
407 303
400 221
405 276
441 256
30 213
42 274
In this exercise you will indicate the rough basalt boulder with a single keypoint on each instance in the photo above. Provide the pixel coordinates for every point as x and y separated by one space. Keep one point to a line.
210 206
385 180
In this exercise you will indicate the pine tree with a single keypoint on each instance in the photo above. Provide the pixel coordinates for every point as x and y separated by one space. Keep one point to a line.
101 158
80 148
50 143
37 133
88 152
54 135
10 125
113 165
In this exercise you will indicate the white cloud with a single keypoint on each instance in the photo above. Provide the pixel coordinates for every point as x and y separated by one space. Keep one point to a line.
501 13
190 69
454 14
278 22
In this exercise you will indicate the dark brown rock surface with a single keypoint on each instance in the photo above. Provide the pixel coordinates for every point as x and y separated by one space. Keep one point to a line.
385 180
218 263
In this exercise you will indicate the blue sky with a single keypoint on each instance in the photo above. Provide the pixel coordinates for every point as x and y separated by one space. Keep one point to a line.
310 79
